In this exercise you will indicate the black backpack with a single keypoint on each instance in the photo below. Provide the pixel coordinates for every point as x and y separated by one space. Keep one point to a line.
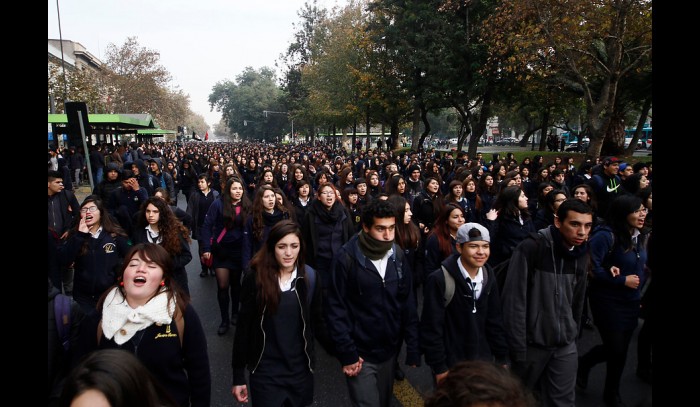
61 307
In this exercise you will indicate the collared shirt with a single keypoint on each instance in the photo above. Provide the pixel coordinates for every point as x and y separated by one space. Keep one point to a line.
287 285
152 235
97 233
476 283
381 263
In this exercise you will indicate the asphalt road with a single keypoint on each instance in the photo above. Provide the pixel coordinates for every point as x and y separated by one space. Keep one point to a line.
330 388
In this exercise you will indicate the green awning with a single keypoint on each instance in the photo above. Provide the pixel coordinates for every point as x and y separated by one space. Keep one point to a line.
154 132
118 121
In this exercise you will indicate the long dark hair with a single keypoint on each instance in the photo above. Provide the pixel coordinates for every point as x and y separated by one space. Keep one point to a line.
266 267
120 377
230 218
441 229
616 218
107 222
160 256
507 203
407 235
169 226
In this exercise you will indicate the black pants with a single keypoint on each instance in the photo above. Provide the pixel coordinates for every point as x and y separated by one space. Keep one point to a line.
613 351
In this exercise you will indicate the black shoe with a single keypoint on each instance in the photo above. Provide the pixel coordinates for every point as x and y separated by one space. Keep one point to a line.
212 272
399 374
644 374
582 376
223 328
203 273
234 319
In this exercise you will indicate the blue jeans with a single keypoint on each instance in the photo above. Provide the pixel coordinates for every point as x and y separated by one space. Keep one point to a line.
97 175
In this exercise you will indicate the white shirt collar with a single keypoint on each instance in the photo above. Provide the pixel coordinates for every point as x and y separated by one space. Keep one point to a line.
97 233
287 285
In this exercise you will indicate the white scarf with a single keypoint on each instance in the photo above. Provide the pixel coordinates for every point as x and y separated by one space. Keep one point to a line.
121 322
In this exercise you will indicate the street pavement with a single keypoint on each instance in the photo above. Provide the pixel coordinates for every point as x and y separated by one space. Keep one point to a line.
330 388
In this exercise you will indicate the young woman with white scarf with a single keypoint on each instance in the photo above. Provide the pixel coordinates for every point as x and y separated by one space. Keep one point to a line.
144 314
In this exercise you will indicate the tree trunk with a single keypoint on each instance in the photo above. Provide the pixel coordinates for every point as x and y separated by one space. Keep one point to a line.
545 126
640 125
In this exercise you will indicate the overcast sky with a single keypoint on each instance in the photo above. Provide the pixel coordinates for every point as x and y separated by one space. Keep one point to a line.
201 42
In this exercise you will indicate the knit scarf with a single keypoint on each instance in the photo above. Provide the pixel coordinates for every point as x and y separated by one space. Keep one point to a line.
371 247
121 322
331 215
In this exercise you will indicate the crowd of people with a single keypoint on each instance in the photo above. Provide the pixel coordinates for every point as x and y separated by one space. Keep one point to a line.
363 252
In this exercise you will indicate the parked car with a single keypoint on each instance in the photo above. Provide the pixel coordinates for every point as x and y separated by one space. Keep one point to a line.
507 141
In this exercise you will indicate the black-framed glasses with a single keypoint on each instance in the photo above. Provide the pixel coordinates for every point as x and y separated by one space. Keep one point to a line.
88 209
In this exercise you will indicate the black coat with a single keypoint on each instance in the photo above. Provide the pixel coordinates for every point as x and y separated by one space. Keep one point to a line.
454 333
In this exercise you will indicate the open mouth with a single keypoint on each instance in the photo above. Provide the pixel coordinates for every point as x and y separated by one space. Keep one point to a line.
140 280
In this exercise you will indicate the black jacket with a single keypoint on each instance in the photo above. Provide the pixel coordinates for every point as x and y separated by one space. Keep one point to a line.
249 341
544 292
454 333
369 316
97 269
183 370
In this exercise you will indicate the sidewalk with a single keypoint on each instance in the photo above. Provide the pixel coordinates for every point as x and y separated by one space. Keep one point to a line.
82 192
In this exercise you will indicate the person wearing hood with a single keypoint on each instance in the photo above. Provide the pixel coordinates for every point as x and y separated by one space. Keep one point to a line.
110 182
145 179
543 297
163 179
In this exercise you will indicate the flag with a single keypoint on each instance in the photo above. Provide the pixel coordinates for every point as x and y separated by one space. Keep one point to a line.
206 135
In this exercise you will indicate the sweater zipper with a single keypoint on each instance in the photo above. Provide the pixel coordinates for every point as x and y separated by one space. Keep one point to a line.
303 331
262 319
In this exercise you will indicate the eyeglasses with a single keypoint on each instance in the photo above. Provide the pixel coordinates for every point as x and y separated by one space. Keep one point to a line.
643 210
88 209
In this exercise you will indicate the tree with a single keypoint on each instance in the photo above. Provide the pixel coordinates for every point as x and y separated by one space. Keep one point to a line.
299 54
243 102
80 84
138 83
593 46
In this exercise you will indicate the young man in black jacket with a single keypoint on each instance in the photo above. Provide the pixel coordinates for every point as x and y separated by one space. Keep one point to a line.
470 326
371 281
543 297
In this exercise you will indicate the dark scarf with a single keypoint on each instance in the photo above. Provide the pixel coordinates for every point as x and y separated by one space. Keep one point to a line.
372 248
331 215
269 219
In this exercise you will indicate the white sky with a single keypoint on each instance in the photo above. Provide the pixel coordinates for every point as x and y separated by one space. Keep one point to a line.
201 42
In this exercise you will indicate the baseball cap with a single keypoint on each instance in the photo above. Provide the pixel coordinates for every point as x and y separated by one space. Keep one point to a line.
610 160
463 233
623 166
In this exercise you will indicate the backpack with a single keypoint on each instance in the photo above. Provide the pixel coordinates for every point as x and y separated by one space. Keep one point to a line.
500 270
450 283
61 307
311 275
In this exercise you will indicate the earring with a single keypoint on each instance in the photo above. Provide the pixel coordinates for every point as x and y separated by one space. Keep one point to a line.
121 283
162 283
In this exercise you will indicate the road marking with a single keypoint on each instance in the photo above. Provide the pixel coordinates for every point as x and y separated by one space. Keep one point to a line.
406 394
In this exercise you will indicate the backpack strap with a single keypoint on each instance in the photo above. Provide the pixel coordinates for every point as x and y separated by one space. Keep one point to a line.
449 285
61 307
180 324
311 275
